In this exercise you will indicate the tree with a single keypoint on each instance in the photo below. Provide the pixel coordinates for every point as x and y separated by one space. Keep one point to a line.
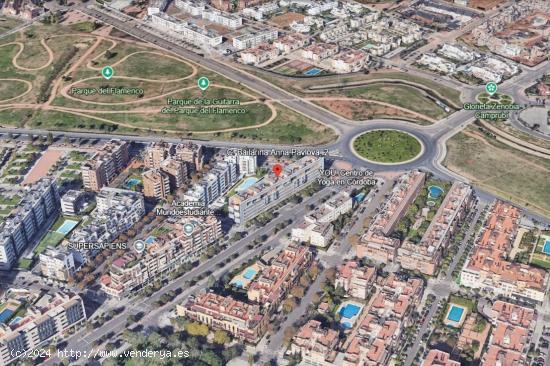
288 333
297 291
197 329
288 305
221 337
49 139
211 358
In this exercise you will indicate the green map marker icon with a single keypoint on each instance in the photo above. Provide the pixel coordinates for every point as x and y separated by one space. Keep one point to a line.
203 83
491 88
107 72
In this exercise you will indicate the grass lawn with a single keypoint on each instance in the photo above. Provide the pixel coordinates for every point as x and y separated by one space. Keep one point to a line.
387 146
288 127
166 68
399 95
467 303
10 201
541 259
51 239
25 263
504 171
11 89
15 117
8 23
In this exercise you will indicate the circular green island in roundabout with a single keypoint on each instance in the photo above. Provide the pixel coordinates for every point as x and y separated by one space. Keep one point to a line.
387 146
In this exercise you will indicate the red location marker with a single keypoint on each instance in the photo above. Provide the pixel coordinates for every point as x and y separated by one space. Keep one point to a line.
277 169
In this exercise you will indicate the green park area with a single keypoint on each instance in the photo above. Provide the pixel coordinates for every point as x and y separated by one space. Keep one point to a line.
387 146
57 84
500 169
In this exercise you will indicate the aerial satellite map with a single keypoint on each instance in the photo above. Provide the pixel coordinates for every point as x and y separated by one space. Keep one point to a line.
275 182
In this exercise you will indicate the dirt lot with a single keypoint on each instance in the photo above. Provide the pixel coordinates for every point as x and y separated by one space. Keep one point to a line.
285 20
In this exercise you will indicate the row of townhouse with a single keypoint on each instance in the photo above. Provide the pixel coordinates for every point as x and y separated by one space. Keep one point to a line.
426 255
162 255
103 166
376 243
488 267
316 228
265 51
198 9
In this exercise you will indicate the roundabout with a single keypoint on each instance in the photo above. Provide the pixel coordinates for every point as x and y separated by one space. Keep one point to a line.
387 147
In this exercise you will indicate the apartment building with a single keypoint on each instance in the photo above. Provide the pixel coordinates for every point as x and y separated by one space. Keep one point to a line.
27 223
377 336
488 267
315 344
316 228
117 211
164 254
291 42
376 243
72 202
349 61
436 63
397 297
176 171
225 19
243 321
355 279
259 54
510 338
439 358
271 287
317 52
214 184
156 184
186 30
57 264
103 166
156 153
270 190
426 255
253 39
47 318
192 154
374 343
258 12
457 52
191 7
247 164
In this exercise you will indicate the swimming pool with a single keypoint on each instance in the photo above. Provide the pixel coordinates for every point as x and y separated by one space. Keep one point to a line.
131 183
249 273
238 283
546 247
5 315
67 226
248 182
150 240
347 325
15 320
313 72
435 191
455 314
360 197
350 310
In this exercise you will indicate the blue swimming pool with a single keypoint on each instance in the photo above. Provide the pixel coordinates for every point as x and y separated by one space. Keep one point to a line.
249 273
15 320
67 226
312 72
455 314
131 183
5 315
360 197
346 325
546 247
248 182
435 191
150 240
238 283
350 310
